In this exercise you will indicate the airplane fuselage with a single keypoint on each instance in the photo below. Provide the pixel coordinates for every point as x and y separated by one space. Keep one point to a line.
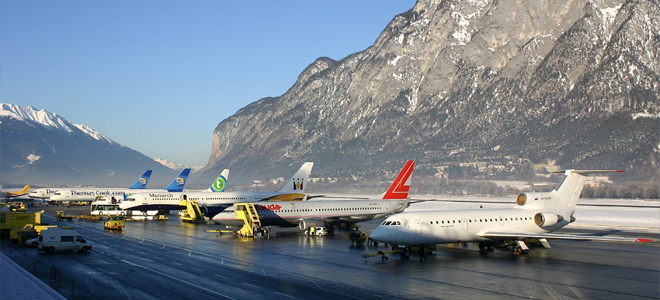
440 227
214 202
276 213
89 194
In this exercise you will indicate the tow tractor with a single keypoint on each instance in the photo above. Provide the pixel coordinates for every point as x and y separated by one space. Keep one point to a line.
115 223
61 216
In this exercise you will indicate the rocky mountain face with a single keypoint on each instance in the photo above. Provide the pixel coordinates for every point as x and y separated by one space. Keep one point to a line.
508 84
37 146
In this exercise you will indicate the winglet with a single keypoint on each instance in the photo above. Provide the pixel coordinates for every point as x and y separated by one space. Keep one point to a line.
179 181
141 182
401 185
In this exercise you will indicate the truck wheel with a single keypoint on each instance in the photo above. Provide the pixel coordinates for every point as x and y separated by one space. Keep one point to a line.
34 244
84 249
50 249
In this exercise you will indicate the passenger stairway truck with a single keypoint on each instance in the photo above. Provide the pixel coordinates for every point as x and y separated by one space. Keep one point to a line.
248 213
192 213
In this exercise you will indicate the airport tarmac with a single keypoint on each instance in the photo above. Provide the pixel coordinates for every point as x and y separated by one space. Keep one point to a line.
170 260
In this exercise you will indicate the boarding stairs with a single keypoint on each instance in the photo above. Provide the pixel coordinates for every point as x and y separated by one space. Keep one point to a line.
248 213
192 213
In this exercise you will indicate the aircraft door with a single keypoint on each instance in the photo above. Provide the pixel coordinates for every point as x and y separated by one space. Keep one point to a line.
501 221
465 224
418 226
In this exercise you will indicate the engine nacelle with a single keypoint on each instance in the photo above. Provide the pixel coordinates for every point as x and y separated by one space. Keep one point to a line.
546 219
304 224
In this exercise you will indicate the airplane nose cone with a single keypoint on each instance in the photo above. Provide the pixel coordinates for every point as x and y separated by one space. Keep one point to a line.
379 234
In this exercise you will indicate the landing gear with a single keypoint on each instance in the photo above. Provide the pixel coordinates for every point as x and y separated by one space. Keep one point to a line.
519 247
486 246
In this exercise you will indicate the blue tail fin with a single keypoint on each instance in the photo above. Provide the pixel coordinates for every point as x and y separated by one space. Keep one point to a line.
179 181
141 183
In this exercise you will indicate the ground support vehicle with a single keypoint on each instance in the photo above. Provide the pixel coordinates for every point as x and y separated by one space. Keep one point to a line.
357 238
115 223
61 216
56 239
17 220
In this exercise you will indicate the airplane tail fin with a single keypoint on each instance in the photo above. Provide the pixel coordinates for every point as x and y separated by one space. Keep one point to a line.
179 181
220 183
141 182
401 185
299 180
564 196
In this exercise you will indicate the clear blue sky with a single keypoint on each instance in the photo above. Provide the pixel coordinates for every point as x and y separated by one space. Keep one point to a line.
158 76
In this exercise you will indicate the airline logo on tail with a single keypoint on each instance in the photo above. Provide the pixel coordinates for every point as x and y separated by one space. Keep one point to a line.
142 181
401 185
298 185
219 184
180 181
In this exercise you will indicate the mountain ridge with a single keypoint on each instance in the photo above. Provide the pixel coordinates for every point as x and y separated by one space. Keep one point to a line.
452 82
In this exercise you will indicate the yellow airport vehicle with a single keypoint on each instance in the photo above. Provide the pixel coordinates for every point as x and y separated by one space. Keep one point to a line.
192 213
19 236
357 238
17 220
219 231
248 213
61 216
17 206
115 223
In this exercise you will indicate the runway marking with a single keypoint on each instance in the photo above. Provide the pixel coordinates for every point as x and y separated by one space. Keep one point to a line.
251 285
156 257
163 247
317 285
284 295
177 279
262 271
142 253
198 270
189 253
223 277
176 263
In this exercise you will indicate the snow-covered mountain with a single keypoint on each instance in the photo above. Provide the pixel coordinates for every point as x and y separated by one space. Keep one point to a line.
40 147
175 166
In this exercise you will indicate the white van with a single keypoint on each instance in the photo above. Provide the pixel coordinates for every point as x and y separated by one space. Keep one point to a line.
52 240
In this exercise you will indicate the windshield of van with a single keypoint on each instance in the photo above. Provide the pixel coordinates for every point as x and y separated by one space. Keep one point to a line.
79 238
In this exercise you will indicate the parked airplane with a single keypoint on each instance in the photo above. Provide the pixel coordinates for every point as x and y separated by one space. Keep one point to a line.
46 193
16 194
306 214
536 216
89 194
213 203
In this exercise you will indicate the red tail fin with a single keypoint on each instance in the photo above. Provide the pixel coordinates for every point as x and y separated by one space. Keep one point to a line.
400 187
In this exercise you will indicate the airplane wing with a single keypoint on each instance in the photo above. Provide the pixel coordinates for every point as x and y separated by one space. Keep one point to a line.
513 234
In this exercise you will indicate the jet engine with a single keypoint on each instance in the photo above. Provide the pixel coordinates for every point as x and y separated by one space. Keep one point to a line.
304 224
546 219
